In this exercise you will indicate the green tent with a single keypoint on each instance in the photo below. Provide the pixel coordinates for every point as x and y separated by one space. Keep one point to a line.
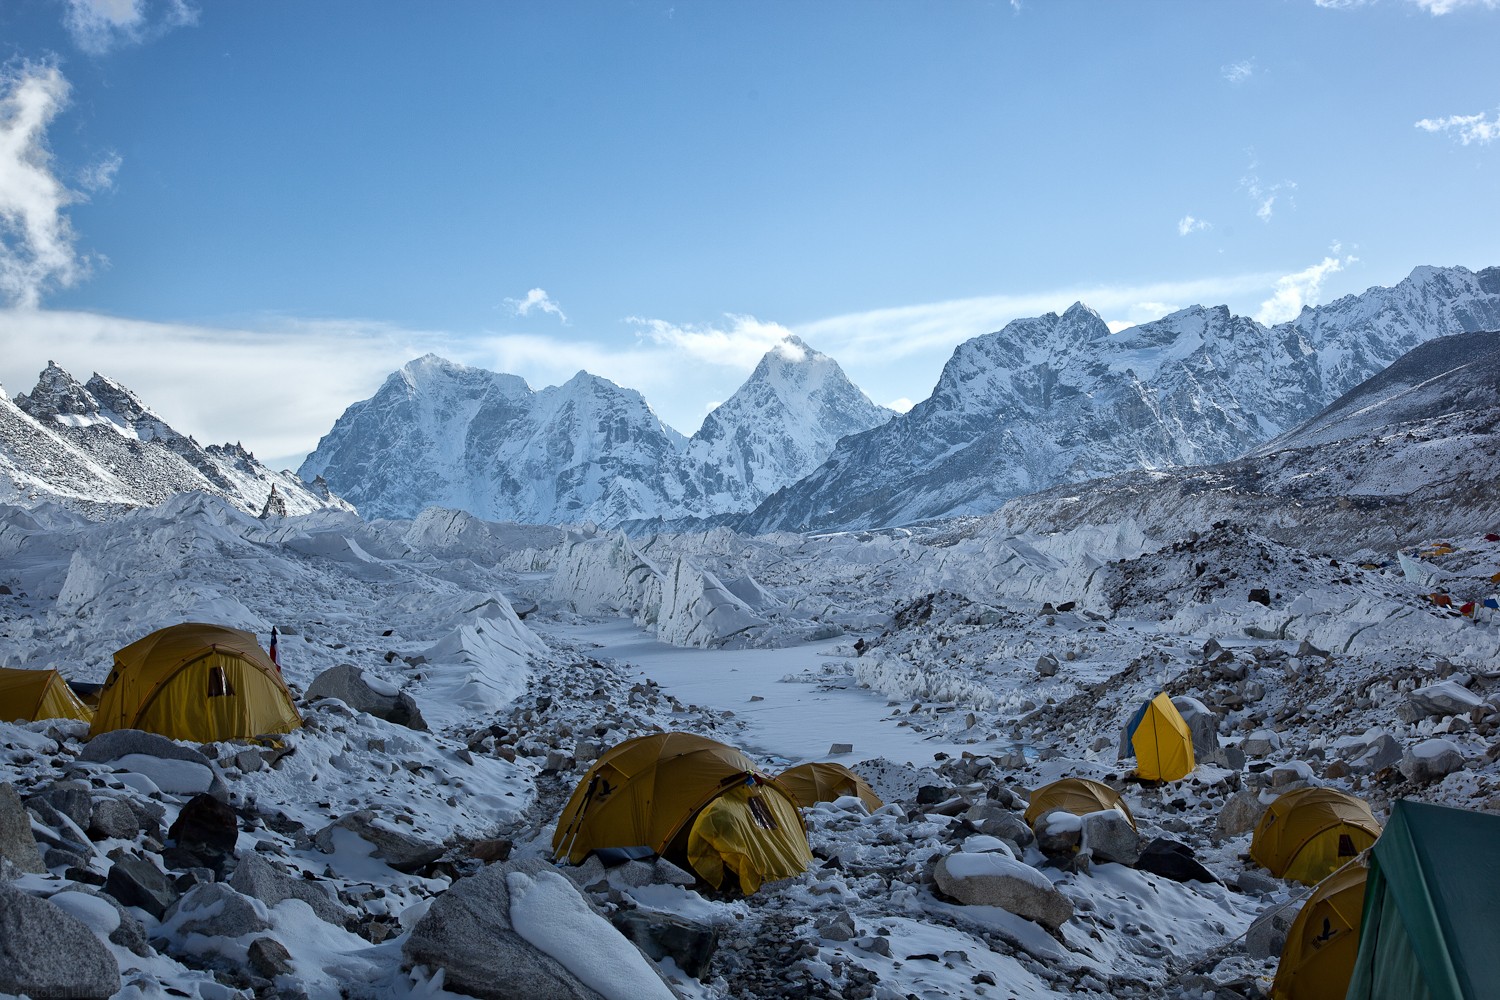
1429 927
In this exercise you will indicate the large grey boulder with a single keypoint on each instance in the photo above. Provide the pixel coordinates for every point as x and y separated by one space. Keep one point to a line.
1431 760
121 926
119 743
1108 836
112 818
17 843
47 952
1203 722
260 879
1438 701
67 798
469 934
137 882
1380 753
1241 812
1267 935
990 817
364 693
213 909
991 879
402 851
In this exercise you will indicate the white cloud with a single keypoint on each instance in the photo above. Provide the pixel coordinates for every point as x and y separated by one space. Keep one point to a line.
538 299
1238 72
1264 195
1437 8
1466 128
902 405
97 26
1341 4
1187 224
100 176
1293 291
740 344
36 238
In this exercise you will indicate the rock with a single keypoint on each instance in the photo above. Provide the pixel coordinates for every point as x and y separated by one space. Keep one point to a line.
668 935
119 743
1108 836
1047 665
1203 722
1255 883
260 879
840 748
1431 760
1382 753
213 909
17 843
468 934
1440 700
125 928
364 693
1171 859
1260 595
1058 832
47 952
208 829
137 882
1261 743
991 818
992 879
1240 813
112 819
70 799
269 957
401 851
666 873
1267 935
1306 649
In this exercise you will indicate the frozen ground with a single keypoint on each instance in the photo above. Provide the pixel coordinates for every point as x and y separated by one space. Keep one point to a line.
966 666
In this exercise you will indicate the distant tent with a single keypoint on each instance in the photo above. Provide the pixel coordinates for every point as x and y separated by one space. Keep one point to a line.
29 695
1318 957
691 800
1429 916
824 781
196 682
1078 796
1308 833
1162 741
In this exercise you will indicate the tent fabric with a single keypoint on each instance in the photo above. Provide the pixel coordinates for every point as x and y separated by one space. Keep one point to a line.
1162 741
1308 833
653 791
751 831
824 781
1318 957
1428 928
29 695
1078 796
196 682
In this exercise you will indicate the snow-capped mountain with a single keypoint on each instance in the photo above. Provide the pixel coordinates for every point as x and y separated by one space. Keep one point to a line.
98 444
440 433
1057 399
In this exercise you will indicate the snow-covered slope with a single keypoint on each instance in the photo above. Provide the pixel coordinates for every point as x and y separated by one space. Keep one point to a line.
97 446
447 434
1059 399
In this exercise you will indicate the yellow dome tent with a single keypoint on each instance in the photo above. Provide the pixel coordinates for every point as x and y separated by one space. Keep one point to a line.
1078 796
824 781
1162 741
1318 958
1308 833
29 695
691 800
196 682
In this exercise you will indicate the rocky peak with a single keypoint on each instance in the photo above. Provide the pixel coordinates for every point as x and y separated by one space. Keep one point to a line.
57 394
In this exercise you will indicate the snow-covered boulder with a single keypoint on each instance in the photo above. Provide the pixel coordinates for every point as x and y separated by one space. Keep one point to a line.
1203 722
365 692
1440 700
215 910
992 879
1108 836
47 952
402 851
1431 760
260 879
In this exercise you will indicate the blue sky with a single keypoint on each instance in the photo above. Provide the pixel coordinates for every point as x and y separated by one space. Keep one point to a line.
301 197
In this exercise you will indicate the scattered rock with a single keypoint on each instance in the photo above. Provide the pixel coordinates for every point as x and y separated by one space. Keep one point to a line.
269 957
213 909
260 879
1260 744
1438 701
668 935
47 952
112 819
1047 665
1174 860
401 851
1267 935
840 748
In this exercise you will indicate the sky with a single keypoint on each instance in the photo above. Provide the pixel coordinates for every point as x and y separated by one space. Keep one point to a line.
252 213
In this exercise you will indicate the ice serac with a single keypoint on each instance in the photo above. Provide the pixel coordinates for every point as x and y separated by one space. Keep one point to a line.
444 434
98 446
1056 399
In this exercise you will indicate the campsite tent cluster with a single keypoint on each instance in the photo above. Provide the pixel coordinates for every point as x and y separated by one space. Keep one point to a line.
193 681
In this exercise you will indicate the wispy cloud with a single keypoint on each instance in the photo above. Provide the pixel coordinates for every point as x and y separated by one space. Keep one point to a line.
1438 8
1466 129
1187 224
100 176
1341 4
539 300
1293 291
1238 72
97 26
1265 195
36 239
739 343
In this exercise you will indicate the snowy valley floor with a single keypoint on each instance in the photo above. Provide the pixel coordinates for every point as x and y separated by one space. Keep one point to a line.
966 667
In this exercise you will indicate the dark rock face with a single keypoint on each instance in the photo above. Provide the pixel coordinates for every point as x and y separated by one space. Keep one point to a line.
207 829
137 882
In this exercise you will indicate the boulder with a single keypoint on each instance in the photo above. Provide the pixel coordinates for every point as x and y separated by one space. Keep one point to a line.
1261 743
213 909
47 952
1108 836
1058 832
17 843
1047 665
401 851
669 935
112 819
116 922
137 882
1431 760
207 829
992 818
1171 859
1203 722
366 693
260 879
1381 753
119 743
1438 701
269 957
67 798
1267 935
474 934
1241 812
991 879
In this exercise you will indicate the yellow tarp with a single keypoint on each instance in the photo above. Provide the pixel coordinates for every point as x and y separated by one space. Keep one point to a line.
753 832
1162 742
824 781
1318 958
1309 833
29 695
196 682
1078 796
